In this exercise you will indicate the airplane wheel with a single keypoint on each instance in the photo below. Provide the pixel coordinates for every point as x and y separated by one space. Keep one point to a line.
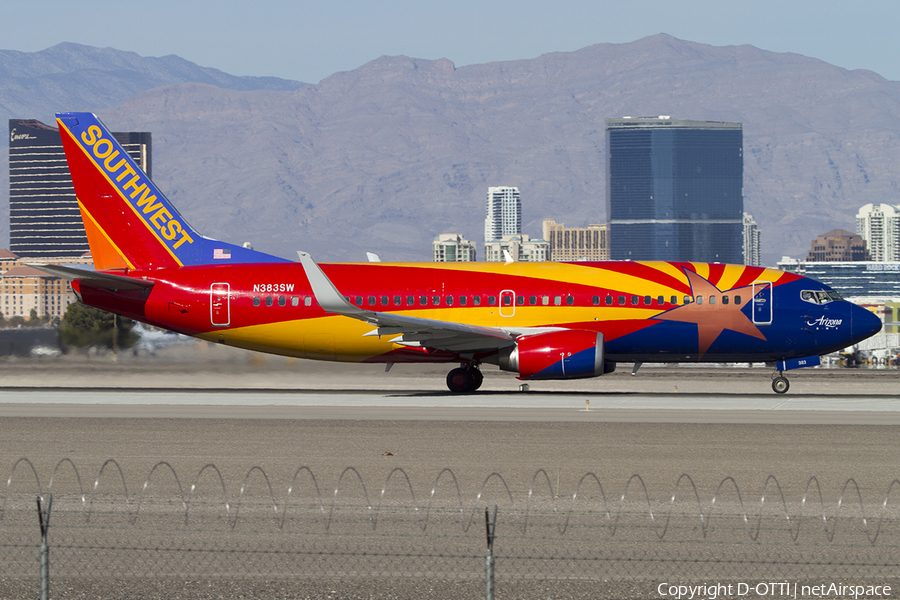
781 385
477 378
460 381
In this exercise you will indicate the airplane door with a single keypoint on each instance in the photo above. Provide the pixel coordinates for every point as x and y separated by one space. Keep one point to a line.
507 303
762 302
219 307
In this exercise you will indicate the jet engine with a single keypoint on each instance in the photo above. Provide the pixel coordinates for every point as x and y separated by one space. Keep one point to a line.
568 354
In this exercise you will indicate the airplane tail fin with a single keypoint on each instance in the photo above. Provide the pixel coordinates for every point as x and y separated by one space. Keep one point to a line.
130 224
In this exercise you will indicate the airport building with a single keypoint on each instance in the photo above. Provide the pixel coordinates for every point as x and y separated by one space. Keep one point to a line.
520 247
879 226
44 220
504 213
752 242
675 189
589 243
864 281
452 247
838 245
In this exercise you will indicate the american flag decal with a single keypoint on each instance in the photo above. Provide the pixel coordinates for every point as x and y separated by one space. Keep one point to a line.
220 254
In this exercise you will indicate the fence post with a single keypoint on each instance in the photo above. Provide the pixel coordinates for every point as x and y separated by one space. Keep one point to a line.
491 527
44 520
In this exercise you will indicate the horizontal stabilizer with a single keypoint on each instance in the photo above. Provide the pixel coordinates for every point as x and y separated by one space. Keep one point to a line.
98 279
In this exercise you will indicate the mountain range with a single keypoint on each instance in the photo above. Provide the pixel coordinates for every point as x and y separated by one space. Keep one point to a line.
386 156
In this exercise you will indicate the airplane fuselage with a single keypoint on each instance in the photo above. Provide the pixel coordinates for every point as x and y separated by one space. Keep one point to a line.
648 312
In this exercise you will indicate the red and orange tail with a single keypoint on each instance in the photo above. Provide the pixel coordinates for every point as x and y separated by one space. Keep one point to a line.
130 224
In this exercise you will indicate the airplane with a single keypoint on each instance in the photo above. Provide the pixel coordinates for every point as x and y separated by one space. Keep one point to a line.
543 321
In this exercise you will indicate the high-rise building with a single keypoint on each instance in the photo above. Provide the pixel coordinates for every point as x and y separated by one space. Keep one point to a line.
452 247
752 244
675 189
838 245
879 226
44 220
504 213
576 243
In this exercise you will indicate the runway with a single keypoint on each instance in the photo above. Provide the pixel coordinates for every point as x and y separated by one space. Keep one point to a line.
557 406
709 422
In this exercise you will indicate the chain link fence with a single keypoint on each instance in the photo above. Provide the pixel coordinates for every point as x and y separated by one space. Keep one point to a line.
210 539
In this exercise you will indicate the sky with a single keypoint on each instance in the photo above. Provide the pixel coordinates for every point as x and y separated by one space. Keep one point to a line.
308 41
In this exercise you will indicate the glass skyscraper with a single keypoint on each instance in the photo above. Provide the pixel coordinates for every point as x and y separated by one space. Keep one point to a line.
675 190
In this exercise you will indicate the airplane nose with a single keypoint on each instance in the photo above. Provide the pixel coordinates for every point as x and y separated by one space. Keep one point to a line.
863 323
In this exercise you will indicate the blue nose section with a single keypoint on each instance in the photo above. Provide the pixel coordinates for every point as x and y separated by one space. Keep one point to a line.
863 323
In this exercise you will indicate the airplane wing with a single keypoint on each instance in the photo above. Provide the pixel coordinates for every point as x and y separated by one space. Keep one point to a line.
109 281
412 331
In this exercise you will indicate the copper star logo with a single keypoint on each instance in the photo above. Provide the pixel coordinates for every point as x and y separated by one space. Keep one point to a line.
713 319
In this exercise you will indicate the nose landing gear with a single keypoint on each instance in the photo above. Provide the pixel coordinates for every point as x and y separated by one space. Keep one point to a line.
780 383
466 378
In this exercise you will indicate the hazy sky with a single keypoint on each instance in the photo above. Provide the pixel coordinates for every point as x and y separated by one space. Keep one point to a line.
308 41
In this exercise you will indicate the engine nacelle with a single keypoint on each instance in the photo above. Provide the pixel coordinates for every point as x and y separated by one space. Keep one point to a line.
570 354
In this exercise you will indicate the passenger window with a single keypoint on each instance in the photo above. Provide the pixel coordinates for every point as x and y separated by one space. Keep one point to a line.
295 301
384 300
307 301
674 300
634 300
545 300
492 300
596 300
570 300
725 299
371 300
269 301
557 300
423 300
476 300
256 301
359 300
699 300
398 300
520 300
712 299
449 300
609 300
410 300
282 301
648 300
661 300
621 300
436 300
687 299
507 300
532 300
737 299
463 300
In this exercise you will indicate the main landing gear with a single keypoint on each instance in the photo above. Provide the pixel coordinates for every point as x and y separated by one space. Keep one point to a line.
780 384
466 378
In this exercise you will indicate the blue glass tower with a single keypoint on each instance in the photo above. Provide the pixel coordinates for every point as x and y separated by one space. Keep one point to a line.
675 189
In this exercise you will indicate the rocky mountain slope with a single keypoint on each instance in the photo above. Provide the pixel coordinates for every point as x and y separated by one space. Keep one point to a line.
384 157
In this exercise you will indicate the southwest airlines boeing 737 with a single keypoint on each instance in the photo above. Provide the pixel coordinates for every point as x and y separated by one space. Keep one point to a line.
540 320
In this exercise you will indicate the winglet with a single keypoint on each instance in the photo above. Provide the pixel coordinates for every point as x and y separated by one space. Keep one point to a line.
327 295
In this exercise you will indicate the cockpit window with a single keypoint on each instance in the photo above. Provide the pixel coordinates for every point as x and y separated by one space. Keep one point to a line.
820 296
